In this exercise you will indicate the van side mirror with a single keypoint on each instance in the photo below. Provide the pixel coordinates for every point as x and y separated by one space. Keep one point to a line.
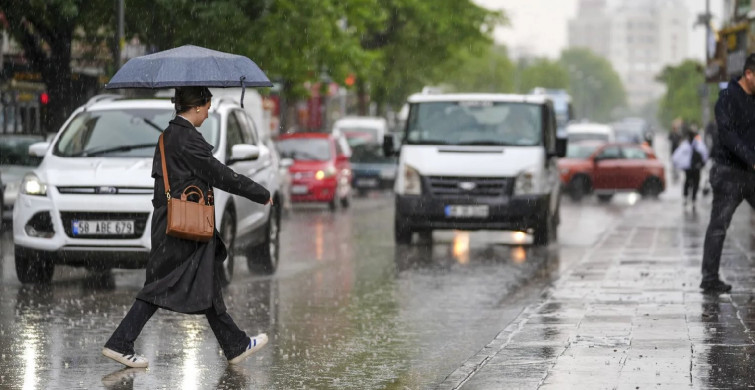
561 144
389 148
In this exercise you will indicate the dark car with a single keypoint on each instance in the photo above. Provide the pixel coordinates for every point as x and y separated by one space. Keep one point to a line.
371 169
15 163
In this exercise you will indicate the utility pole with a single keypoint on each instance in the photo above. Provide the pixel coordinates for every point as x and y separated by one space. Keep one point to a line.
705 19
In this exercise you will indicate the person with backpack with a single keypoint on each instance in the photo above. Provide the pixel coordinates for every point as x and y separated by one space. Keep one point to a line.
690 157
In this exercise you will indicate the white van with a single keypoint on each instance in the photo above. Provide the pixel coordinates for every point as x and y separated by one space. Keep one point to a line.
361 129
478 161
578 132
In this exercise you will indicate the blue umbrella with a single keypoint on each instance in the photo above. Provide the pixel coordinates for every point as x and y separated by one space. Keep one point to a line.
190 66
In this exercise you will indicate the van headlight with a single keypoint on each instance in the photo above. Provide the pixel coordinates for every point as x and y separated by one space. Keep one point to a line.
328 172
412 181
31 185
526 183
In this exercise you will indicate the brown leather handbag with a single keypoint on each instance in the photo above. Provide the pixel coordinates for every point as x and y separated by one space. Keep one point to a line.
186 219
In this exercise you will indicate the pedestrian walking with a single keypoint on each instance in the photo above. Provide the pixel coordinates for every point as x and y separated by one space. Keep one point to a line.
732 177
181 273
690 157
675 138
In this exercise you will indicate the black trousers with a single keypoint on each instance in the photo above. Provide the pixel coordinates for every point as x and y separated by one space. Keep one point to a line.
232 340
691 183
730 187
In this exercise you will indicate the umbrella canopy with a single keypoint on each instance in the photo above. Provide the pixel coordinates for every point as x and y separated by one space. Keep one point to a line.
189 66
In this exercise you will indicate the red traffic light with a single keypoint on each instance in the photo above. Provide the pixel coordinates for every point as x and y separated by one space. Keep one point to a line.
350 80
44 98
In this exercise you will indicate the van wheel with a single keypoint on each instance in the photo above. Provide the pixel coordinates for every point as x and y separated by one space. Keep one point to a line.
546 232
333 204
426 235
401 231
651 188
345 202
264 257
228 234
33 266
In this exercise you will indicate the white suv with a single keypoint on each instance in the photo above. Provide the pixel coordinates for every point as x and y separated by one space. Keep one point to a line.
89 202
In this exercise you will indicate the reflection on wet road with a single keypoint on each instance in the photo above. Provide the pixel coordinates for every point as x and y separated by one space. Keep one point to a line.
347 308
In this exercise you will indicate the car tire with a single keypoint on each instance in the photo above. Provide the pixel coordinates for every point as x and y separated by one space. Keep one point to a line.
605 198
651 188
426 235
546 230
228 234
264 258
333 204
33 266
578 188
345 202
401 231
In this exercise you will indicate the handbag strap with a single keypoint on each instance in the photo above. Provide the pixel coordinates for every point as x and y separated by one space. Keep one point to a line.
165 169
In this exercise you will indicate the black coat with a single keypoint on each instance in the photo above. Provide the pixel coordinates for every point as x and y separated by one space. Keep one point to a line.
735 116
181 273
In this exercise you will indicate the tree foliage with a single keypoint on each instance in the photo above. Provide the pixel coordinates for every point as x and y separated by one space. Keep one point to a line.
594 85
541 72
480 68
682 99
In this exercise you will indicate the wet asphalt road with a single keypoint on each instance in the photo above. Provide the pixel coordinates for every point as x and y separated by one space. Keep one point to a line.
346 309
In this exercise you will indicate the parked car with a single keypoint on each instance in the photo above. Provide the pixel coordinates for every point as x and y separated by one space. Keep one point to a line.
478 161
89 202
577 132
321 171
633 130
372 170
358 129
15 162
605 169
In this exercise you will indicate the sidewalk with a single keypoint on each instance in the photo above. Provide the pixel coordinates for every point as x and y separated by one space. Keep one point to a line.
630 315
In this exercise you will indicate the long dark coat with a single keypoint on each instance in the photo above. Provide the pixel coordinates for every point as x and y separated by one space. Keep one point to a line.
181 273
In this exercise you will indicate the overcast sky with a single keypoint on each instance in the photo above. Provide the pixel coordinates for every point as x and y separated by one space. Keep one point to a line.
539 27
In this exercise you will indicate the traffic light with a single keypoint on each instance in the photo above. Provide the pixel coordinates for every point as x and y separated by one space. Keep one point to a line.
44 98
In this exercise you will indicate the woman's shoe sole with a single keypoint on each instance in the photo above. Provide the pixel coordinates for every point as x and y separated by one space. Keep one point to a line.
261 342
118 357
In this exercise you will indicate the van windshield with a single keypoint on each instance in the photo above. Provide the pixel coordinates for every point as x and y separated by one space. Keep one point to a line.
475 123
122 133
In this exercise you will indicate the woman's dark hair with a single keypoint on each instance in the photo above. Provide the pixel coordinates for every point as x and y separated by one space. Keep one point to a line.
188 97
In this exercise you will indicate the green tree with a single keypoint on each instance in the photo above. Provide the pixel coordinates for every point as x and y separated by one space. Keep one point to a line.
47 30
541 72
480 68
594 85
682 99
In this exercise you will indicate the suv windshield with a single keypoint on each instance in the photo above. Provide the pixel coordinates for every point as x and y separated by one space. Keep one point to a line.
121 133
475 123
312 149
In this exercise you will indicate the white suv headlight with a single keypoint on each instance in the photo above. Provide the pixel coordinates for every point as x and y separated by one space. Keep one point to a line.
31 185
526 183
412 181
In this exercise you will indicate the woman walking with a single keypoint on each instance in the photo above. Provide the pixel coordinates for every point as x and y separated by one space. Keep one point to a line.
181 273
690 157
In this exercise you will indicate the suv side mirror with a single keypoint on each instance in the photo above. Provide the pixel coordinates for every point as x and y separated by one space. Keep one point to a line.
244 152
561 144
389 148
38 149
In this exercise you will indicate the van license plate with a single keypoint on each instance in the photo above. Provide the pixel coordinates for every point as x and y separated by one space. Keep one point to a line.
299 190
102 228
476 211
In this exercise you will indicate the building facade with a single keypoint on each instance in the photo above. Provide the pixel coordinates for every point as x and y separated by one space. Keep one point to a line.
638 37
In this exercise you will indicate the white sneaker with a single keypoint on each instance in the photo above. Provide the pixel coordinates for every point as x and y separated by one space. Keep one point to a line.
255 344
133 360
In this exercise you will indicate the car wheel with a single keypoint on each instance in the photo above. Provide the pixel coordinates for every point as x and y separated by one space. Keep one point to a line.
33 266
228 234
401 230
605 198
333 204
578 188
264 257
426 235
651 188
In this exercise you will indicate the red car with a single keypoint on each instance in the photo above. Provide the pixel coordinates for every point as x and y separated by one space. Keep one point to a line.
608 168
321 171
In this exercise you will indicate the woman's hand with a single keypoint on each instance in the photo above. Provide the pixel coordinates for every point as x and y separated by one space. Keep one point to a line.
269 202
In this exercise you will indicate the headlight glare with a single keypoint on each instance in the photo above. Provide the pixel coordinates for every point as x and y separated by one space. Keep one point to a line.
31 185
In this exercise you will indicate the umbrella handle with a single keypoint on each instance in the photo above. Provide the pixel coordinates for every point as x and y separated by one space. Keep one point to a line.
243 89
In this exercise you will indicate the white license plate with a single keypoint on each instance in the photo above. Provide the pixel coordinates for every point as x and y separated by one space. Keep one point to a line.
299 190
102 228
367 182
463 211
